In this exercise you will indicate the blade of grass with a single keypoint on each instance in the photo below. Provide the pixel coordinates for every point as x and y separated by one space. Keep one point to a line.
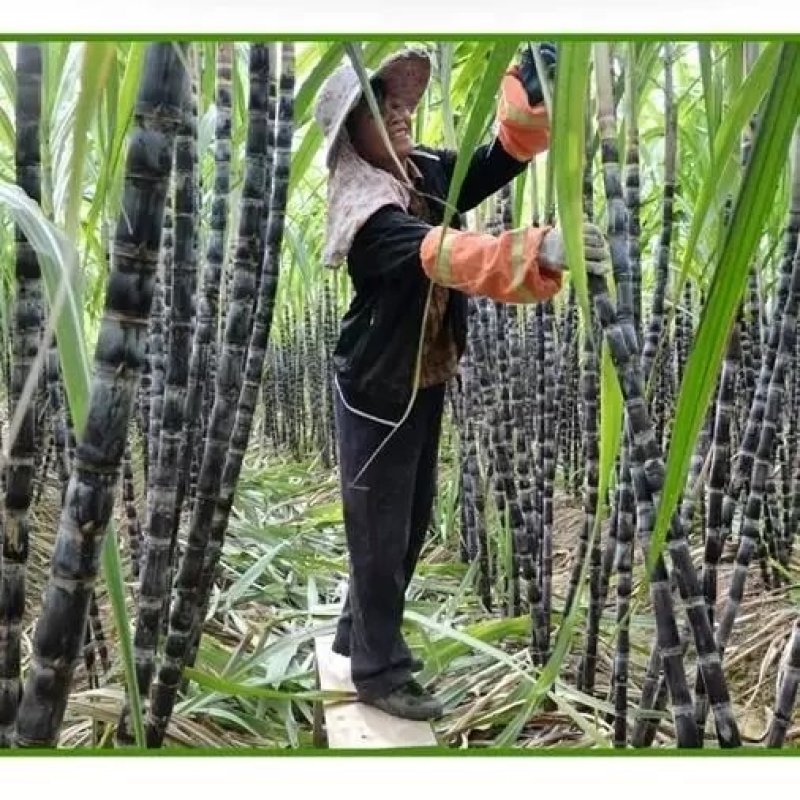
115 582
753 205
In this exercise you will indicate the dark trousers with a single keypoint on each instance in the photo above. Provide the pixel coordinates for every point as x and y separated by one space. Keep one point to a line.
387 511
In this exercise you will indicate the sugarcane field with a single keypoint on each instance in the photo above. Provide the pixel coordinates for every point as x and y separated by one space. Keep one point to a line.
469 369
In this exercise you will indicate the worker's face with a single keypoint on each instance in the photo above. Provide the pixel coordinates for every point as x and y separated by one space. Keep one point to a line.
365 132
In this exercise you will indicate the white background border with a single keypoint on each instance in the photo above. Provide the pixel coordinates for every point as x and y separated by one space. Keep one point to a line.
534 778
527 17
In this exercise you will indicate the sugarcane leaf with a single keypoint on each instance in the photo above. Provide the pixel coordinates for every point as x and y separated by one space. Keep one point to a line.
8 75
109 184
62 121
247 580
304 155
519 195
647 62
324 66
706 74
481 111
551 670
734 68
98 58
58 259
312 140
445 80
214 682
751 209
720 176
568 152
6 129
466 80
208 75
611 405
115 583
473 642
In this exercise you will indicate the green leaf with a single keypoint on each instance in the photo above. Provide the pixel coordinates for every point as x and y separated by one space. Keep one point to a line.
8 76
445 78
519 195
58 259
753 205
115 582
7 129
611 407
719 179
481 110
304 155
568 153
706 74
98 58
329 60
244 690
109 182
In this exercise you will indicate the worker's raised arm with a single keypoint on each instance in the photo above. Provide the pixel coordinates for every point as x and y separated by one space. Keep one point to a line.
523 131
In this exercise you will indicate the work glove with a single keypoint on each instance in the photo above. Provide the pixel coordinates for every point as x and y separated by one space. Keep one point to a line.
529 75
552 253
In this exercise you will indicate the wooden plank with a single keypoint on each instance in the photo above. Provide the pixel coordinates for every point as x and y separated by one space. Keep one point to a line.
351 724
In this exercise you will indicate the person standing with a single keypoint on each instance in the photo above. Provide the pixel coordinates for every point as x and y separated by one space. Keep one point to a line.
402 337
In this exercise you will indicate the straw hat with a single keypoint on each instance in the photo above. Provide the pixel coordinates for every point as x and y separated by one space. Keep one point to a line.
405 74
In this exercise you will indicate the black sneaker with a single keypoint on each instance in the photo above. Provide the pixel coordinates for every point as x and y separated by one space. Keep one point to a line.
409 701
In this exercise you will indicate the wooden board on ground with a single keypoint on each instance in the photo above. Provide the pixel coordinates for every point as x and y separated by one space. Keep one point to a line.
350 724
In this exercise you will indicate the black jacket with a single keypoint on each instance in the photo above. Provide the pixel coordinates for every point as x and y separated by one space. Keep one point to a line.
375 357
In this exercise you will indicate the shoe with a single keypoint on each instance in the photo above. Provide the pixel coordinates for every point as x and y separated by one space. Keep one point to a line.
409 701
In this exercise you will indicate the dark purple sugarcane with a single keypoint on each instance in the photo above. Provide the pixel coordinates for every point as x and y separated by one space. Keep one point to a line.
118 360
786 694
28 313
230 378
648 474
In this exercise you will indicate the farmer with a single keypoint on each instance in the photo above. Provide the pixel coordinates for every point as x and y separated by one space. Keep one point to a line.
384 215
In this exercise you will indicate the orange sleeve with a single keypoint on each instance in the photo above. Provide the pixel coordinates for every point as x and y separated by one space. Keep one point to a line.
504 268
523 129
